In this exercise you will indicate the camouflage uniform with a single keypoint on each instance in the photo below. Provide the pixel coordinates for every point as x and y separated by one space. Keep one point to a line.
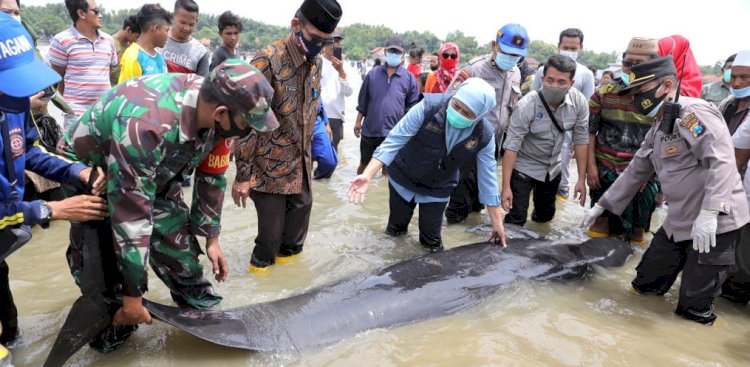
144 133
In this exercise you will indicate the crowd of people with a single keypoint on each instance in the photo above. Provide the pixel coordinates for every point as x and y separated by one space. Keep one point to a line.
148 111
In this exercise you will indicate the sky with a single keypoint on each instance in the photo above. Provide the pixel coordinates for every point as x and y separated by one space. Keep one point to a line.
713 27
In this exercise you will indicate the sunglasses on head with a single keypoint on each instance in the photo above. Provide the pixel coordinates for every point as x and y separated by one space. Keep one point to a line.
450 56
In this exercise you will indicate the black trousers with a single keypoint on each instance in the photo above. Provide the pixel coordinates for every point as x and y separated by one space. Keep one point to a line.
702 274
737 286
8 312
283 221
337 127
544 198
465 197
430 218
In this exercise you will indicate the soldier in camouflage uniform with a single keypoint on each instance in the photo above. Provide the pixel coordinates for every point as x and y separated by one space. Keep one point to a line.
148 133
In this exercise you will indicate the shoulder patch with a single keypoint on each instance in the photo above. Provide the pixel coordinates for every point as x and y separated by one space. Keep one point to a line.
693 124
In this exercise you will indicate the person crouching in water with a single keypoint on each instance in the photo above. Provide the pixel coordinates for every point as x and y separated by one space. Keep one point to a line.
424 152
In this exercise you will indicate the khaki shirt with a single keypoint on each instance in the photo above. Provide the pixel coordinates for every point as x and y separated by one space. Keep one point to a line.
696 169
507 86
536 139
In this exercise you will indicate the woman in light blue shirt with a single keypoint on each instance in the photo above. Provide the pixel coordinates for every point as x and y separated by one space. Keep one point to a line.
424 153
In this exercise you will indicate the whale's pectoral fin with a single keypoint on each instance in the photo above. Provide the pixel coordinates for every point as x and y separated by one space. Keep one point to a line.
87 317
225 328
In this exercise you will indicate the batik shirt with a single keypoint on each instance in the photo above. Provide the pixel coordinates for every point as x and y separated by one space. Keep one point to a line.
144 132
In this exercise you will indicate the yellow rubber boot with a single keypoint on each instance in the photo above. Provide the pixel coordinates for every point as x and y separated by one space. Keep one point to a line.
286 259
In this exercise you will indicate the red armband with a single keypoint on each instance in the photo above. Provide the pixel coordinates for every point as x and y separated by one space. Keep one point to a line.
217 161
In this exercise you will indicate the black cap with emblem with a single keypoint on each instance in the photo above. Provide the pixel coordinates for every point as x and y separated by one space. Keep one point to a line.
323 14
647 71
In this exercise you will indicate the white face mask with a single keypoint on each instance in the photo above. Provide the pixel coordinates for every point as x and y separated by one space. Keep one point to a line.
572 54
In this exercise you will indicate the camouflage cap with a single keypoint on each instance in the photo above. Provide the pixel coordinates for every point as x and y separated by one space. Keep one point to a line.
247 92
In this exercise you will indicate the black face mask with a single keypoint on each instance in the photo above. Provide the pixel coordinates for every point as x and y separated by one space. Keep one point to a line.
311 49
646 102
233 132
434 67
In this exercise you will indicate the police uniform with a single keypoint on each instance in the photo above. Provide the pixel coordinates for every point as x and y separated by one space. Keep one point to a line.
694 160
507 86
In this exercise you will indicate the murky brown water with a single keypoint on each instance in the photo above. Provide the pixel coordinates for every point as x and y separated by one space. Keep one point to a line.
597 322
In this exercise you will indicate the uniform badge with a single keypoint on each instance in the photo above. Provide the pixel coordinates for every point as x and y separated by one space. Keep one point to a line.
671 150
16 143
693 124
471 144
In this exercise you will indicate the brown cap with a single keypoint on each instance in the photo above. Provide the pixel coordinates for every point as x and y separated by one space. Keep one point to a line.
247 92
643 46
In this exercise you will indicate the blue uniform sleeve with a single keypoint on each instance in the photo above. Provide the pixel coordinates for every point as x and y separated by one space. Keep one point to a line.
489 190
19 212
322 150
400 134
363 100
46 164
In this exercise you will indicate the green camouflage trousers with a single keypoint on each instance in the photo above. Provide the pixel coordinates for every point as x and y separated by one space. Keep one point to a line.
173 254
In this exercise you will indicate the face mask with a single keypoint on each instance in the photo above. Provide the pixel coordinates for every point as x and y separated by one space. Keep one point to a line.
456 119
450 63
572 54
311 50
625 77
392 60
740 93
506 62
233 132
646 103
434 67
655 110
727 75
16 17
554 95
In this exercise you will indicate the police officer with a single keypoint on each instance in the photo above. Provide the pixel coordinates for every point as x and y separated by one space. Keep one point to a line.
500 70
694 161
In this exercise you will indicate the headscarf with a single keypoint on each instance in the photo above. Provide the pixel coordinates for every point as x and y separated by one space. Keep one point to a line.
479 96
688 70
443 75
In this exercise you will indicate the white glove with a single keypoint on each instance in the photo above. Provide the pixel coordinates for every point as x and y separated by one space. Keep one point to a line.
591 215
704 231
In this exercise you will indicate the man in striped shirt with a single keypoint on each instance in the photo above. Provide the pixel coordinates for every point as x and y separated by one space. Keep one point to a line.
83 56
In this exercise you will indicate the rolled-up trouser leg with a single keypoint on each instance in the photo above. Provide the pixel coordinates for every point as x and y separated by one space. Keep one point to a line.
174 254
400 213
702 277
660 264
8 311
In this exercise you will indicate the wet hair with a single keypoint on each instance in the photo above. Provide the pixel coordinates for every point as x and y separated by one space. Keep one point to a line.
416 51
608 72
189 6
227 19
151 14
562 64
74 6
131 23
571 33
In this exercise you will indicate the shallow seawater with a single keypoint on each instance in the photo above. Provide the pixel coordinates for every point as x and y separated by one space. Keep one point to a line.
594 322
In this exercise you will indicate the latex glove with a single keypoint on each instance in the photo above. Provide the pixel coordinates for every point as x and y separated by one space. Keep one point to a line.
704 231
595 212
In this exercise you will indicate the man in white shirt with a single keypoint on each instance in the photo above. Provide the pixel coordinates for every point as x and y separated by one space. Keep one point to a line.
334 87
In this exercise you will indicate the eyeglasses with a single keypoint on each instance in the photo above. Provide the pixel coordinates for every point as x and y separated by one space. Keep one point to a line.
316 40
95 11
450 56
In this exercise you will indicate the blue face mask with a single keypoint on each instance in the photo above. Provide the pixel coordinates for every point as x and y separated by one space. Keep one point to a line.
456 119
392 60
625 77
506 62
727 75
740 93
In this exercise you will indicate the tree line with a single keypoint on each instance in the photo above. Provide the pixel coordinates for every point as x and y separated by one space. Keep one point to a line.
360 38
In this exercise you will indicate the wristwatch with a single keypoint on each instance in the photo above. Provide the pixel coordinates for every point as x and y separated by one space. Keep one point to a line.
45 212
